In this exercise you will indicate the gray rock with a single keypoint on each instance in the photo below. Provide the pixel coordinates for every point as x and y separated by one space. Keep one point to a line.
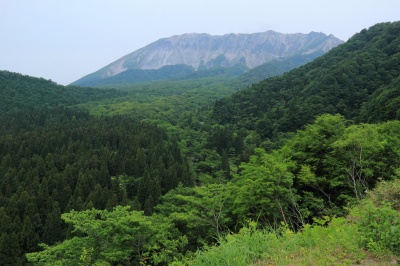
204 51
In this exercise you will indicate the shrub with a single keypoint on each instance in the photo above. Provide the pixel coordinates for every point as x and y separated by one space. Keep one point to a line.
379 227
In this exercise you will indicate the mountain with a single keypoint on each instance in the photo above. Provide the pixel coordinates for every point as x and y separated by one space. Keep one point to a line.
109 189
204 51
358 79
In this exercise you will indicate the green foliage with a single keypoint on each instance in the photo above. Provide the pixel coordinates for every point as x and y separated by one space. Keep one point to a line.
384 104
336 244
55 160
165 103
334 163
379 227
165 73
251 166
273 68
120 236
318 172
263 189
372 225
387 193
341 81
18 92
355 151
243 248
10 253
200 213
378 219
137 76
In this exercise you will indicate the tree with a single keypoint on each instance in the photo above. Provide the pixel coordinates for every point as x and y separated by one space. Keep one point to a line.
225 167
10 251
364 153
120 236
148 206
263 189
29 236
201 213
317 185
52 230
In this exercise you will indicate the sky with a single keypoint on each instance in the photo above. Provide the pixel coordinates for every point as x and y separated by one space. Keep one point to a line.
64 40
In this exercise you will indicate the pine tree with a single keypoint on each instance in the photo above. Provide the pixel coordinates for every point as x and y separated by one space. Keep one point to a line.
186 175
71 204
112 202
96 196
124 199
225 165
154 187
142 188
104 177
52 230
149 206
29 236
140 164
5 221
10 251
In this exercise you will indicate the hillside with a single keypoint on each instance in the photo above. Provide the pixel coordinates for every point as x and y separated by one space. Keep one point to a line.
300 169
273 68
20 91
354 79
54 160
203 51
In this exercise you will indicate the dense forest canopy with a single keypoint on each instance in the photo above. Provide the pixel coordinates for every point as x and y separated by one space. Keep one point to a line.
347 80
152 174
20 91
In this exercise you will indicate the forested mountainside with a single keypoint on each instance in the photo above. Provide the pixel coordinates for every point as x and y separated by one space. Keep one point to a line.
240 75
56 160
355 79
205 52
301 169
20 92
283 191
273 68
168 73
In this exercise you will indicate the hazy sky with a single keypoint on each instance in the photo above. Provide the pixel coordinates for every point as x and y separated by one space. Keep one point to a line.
64 40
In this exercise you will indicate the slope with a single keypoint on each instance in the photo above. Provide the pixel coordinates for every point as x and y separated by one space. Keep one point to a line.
55 158
203 51
20 91
273 68
341 81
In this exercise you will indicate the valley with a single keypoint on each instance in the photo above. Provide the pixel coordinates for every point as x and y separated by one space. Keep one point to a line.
295 161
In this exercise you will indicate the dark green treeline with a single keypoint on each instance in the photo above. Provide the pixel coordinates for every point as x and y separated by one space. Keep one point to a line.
57 160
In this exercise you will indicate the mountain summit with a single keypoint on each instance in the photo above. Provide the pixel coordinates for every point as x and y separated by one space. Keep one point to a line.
204 51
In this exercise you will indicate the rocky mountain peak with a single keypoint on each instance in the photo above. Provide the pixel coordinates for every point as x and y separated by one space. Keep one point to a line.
204 51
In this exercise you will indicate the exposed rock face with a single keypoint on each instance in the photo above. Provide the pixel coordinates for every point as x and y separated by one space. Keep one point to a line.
203 51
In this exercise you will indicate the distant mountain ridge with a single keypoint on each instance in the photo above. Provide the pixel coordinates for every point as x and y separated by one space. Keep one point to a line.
204 51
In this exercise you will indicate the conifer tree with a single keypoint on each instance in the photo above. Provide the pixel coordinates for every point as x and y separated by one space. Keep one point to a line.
225 165
140 164
52 230
29 236
149 206
10 251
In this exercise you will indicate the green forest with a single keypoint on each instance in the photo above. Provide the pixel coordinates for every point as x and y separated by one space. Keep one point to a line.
300 168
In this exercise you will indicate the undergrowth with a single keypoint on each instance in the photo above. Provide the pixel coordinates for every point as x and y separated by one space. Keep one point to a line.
370 235
313 245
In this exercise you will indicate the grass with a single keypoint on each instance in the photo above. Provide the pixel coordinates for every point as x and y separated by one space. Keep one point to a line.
338 243
369 235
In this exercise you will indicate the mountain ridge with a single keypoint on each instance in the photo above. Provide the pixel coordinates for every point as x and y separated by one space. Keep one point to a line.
204 51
